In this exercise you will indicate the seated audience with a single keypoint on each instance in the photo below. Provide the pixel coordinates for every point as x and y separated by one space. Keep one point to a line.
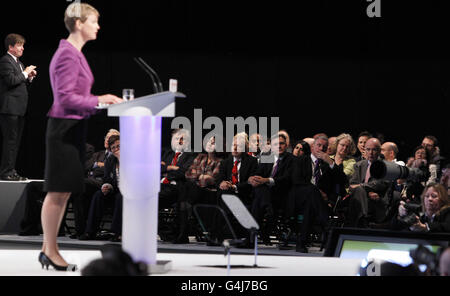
174 164
362 139
109 194
200 187
234 174
301 148
95 169
390 152
34 197
368 201
345 148
271 183
331 146
314 183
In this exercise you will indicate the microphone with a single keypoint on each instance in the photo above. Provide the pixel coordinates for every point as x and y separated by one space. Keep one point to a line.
155 87
153 72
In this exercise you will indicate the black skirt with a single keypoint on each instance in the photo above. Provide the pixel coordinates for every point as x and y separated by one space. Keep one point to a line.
64 161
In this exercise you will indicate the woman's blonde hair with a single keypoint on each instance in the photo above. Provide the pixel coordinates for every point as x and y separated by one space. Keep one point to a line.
352 148
78 11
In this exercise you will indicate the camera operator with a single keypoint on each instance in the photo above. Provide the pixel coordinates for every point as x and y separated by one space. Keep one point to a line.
436 212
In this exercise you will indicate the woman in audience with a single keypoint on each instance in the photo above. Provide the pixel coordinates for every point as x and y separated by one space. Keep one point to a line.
301 148
345 148
435 215
200 188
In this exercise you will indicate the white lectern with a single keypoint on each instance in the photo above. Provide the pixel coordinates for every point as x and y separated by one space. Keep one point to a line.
140 168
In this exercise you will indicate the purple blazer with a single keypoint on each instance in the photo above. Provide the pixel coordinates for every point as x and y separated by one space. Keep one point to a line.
71 79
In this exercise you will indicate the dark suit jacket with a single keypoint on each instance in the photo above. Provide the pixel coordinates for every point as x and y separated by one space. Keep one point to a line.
184 162
13 87
110 175
373 185
96 172
249 164
302 173
282 177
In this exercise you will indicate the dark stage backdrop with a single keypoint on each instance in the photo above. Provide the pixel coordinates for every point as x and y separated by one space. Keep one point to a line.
320 66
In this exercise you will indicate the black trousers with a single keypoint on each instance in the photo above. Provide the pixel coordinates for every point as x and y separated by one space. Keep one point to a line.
306 200
12 129
81 203
97 210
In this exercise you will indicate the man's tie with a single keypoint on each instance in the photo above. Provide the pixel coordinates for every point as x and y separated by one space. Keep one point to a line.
275 168
367 174
174 162
175 158
317 173
234 173
20 65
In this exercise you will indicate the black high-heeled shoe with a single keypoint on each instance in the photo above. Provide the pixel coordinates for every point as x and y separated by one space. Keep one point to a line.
45 261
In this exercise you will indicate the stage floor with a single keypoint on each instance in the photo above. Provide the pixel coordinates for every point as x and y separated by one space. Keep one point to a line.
18 257
25 263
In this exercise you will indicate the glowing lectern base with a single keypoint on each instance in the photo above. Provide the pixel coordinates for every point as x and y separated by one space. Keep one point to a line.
140 167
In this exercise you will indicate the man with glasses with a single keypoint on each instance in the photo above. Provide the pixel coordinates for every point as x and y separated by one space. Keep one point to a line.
368 202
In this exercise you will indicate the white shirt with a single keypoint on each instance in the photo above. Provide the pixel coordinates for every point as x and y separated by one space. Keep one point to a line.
23 72
313 164
271 180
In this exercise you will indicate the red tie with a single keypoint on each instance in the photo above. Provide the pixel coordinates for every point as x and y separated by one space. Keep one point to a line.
234 172
175 158
174 162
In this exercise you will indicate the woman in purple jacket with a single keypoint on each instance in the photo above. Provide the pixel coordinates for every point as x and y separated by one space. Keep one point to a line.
71 80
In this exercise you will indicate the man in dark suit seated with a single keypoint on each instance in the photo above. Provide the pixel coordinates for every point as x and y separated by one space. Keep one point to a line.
315 181
174 164
368 199
271 184
234 173
14 80
94 169
109 194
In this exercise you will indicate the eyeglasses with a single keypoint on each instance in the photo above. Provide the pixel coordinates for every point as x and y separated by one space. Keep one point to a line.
116 147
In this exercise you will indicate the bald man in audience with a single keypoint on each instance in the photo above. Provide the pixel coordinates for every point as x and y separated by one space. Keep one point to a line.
390 152
331 150
368 201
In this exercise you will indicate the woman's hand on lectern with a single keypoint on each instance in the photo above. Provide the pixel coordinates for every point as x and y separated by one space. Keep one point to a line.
109 99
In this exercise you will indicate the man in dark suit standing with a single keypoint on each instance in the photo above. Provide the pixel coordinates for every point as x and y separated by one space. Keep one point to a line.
14 78
271 184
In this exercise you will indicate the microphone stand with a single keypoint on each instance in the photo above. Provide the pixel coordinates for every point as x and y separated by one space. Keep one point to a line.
155 87
153 72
